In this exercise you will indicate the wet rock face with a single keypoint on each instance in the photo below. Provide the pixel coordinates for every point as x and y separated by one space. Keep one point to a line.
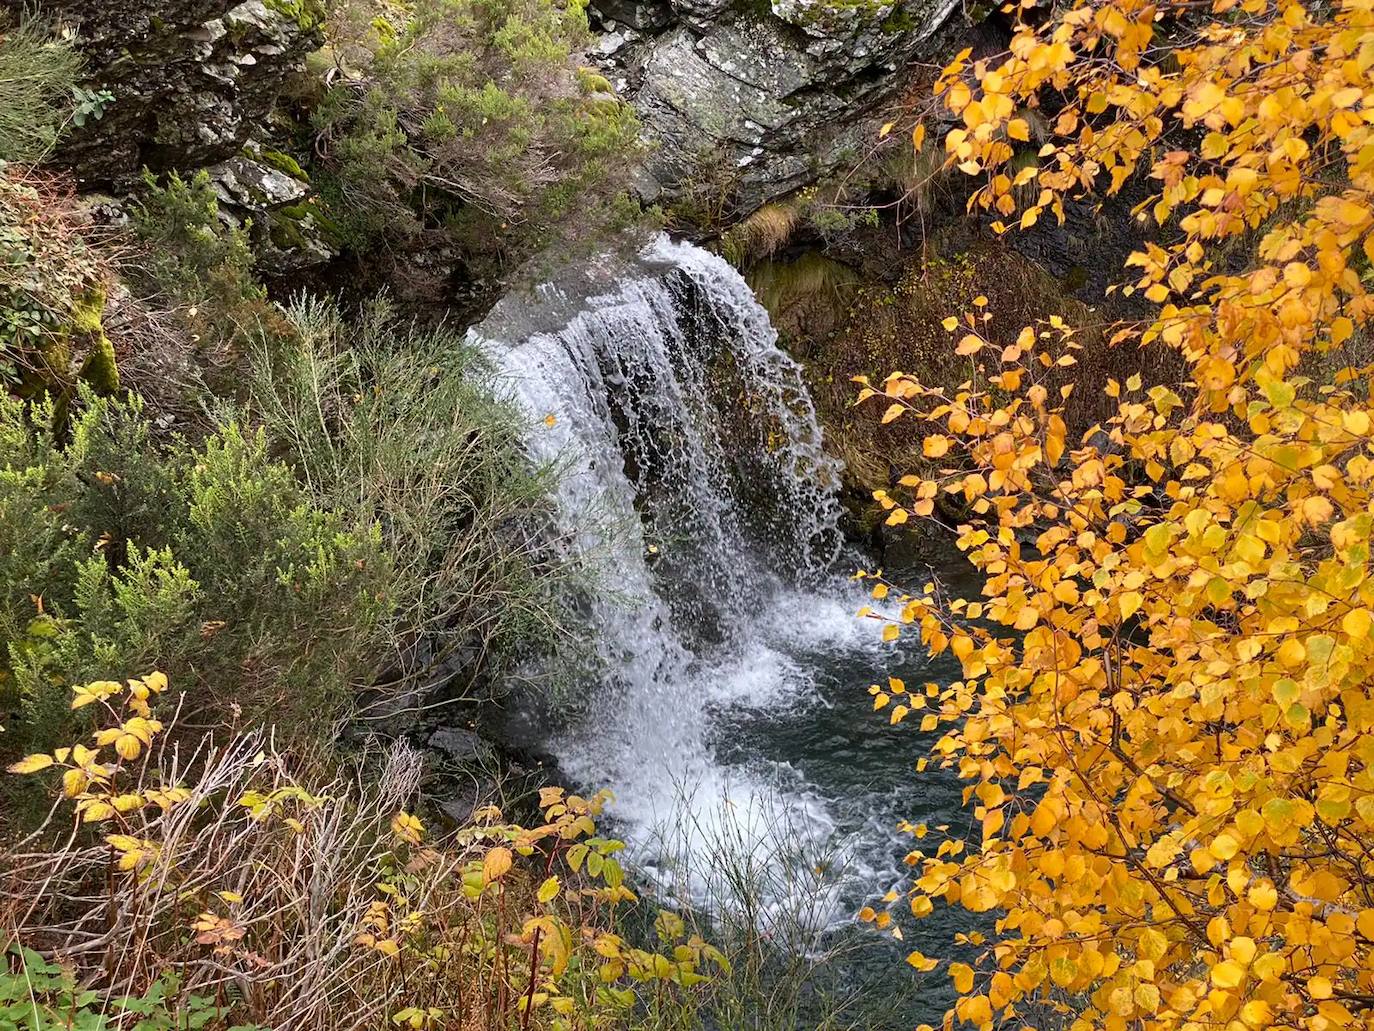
192 79
763 98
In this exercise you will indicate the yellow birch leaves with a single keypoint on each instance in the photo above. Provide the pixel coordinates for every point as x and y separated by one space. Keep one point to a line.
1166 709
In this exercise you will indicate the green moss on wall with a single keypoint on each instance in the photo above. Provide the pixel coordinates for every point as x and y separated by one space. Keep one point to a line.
99 369
308 14
284 163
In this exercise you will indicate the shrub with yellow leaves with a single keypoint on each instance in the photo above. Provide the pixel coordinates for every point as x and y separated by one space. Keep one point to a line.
323 902
1166 709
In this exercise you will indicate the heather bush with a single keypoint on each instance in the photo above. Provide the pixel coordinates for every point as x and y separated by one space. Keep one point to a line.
196 267
474 117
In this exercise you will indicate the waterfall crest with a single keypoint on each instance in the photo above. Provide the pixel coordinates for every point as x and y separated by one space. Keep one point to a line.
693 474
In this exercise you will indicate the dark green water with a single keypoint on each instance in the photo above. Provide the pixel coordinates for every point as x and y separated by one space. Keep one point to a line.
831 740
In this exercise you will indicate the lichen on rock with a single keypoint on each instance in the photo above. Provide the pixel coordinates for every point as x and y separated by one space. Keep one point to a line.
761 99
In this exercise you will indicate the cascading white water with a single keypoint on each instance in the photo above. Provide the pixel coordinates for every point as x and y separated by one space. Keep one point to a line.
693 477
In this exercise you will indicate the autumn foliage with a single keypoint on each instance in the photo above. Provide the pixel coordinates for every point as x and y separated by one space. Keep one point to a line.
1166 713
285 898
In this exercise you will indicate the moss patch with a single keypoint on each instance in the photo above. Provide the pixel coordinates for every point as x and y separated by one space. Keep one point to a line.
88 332
284 163
308 14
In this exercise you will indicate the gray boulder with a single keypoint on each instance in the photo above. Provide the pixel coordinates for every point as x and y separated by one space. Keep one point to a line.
644 15
459 746
249 184
278 206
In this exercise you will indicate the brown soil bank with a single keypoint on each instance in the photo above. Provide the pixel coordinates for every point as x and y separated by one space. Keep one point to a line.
842 322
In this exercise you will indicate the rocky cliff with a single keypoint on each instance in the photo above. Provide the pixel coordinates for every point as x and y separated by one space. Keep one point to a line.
756 99
192 80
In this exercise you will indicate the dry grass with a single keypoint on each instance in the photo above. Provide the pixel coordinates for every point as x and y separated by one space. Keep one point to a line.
303 893
290 893
256 889
761 235
37 72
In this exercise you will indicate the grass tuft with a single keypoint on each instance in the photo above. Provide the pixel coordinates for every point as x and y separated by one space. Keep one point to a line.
38 73
761 235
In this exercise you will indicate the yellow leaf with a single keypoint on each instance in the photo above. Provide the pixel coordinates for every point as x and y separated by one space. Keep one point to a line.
128 746
32 763
1223 847
1357 623
922 962
962 975
1228 974
548 890
97 691
1262 895
1130 603
496 863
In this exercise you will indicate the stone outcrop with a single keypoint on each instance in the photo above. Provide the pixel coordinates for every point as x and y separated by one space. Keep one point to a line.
191 79
276 203
758 101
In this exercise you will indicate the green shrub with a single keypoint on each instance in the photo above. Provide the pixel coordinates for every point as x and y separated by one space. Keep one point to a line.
197 268
38 995
38 94
473 116
399 426
191 253
209 562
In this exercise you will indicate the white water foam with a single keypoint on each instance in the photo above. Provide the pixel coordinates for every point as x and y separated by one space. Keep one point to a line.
693 476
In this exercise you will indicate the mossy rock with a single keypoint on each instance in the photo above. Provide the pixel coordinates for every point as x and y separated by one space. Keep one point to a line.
283 163
99 369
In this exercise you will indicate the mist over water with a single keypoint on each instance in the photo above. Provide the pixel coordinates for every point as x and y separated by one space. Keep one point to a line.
731 662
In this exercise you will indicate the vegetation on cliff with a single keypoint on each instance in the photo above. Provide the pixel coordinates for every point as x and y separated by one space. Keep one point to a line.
38 92
474 118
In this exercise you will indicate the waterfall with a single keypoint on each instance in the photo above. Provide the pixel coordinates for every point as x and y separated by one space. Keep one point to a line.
693 478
